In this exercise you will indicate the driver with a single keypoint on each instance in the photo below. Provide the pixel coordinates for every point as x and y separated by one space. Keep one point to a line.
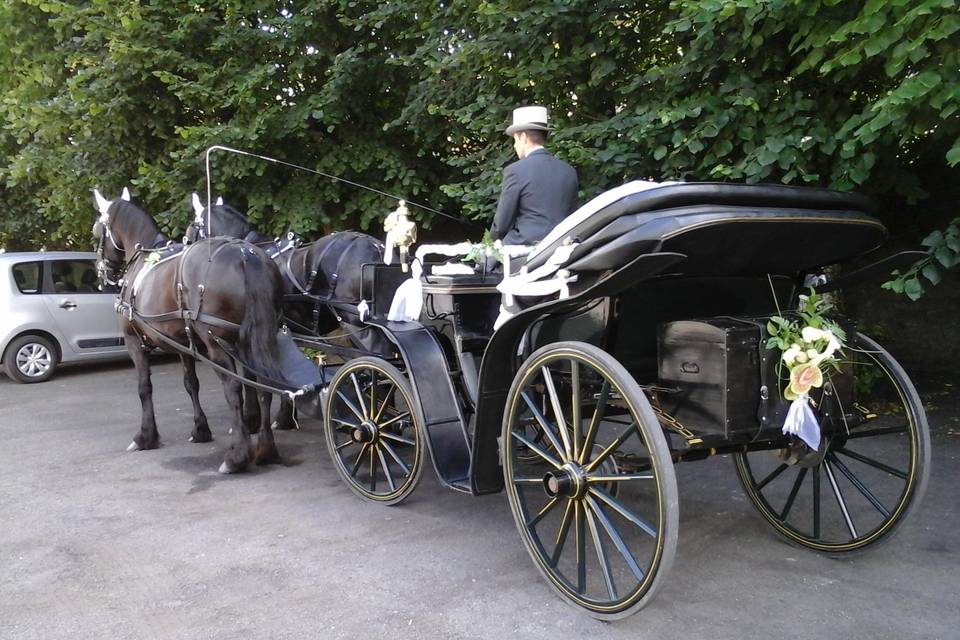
538 190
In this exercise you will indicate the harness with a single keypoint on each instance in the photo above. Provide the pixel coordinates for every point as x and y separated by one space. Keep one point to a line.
185 312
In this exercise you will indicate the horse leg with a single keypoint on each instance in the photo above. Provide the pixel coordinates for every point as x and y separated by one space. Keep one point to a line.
285 420
148 437
266 448
201 430
251 406
240 453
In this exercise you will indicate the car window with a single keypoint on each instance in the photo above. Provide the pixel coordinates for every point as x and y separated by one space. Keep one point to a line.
27 277
74 276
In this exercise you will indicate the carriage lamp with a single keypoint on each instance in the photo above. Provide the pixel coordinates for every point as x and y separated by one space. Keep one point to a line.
401 232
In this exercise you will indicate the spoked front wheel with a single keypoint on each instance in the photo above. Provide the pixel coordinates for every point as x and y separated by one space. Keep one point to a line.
874 468
595 498
373 431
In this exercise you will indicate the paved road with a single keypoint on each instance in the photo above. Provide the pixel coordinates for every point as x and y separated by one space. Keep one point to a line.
99 543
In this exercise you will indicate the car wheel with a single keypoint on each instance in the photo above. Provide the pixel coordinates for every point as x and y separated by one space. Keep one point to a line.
31 359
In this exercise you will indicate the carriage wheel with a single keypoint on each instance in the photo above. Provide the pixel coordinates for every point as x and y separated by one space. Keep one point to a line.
373 430
597 509
874 467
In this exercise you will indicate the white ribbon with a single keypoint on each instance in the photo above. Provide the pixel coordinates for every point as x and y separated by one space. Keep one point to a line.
407 301
802 422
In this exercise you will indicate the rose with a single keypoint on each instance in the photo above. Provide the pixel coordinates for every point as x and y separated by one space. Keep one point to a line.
802 378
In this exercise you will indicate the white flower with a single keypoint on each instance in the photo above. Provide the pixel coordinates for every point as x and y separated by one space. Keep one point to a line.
790 355
832 347
812 334
812 353
802 357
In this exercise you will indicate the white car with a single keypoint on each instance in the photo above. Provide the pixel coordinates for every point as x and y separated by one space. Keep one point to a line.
53 311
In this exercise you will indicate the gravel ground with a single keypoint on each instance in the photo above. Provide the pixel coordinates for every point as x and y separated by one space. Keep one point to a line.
99 543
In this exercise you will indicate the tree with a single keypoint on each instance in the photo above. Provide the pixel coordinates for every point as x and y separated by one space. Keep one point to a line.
413 97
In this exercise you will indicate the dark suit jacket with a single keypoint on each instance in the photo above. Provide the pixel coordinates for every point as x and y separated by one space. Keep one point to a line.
537 193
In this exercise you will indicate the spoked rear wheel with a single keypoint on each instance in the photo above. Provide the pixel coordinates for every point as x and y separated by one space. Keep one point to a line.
372 429
595 500
874 469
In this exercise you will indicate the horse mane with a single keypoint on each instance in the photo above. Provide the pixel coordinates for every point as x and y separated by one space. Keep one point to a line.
238 226
139 224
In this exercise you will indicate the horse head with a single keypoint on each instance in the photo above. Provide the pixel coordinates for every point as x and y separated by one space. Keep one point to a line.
220 220
121 229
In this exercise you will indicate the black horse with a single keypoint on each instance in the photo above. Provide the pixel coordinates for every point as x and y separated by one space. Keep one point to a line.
322 280
211 297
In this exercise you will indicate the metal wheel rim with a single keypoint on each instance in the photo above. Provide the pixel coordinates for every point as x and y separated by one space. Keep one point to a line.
592 521
34 360
842 468
372 469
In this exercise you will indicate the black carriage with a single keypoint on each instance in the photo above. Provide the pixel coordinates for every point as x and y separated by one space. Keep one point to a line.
650 351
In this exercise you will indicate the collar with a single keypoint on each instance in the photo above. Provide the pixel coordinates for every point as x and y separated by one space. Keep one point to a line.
537 150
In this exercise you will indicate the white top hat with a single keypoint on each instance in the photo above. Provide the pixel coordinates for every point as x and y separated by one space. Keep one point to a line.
526 118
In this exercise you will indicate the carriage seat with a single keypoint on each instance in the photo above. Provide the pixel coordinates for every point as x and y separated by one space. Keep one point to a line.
722 229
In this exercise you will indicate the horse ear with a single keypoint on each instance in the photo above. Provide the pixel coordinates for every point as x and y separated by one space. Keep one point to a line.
197 205
103 205
220 200
125 194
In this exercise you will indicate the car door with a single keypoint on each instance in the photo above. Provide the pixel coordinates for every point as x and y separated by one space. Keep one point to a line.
84 314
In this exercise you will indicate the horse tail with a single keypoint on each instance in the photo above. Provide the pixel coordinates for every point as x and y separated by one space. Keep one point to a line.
260 323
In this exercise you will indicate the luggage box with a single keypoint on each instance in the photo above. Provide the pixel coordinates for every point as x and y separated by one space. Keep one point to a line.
723 376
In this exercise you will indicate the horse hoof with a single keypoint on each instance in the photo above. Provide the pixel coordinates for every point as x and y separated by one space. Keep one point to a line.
191 439
133 447
225 469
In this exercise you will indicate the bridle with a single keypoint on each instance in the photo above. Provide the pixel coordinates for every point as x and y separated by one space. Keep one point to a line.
109 271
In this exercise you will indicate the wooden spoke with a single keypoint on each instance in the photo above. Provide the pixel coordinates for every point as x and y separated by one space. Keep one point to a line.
536 449
405 414
373 391
593 427
349 404
386 470
562 533
544 426
601 554
557 410
816 502
396 458
870 461
396 438
575 418
614 504
855 481
386 400
776 472
344 423
619 478
613 446
344 445
877 431
793 493
840 501
356 464
373 470
614 536
543 512
356 387
581 546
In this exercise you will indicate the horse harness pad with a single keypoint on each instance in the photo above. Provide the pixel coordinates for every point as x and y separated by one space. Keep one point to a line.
188 313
